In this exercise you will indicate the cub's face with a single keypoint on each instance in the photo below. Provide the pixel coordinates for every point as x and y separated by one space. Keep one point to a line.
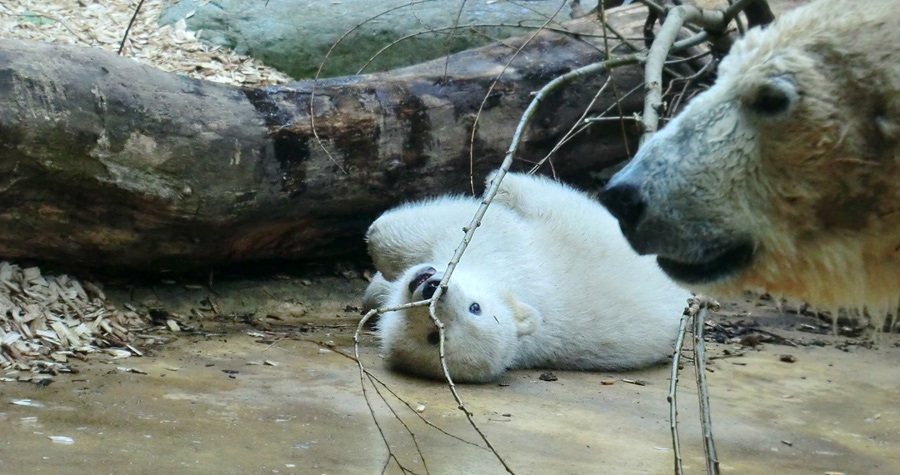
482 325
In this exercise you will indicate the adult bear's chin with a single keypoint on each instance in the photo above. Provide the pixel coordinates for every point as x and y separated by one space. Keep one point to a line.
718 266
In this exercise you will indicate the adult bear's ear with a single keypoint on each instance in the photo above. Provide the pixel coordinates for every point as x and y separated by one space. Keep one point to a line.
527 318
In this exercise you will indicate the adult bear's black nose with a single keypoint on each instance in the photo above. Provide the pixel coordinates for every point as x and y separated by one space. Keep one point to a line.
623 201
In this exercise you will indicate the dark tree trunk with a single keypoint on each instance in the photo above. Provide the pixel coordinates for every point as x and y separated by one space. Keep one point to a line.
108 163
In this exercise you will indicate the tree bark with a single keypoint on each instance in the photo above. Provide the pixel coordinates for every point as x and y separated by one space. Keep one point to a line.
107 163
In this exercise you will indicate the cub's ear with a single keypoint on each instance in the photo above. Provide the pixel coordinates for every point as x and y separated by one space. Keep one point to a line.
506 194
377 293
527 318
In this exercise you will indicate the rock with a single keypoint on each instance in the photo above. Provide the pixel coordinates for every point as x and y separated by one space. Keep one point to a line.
295 36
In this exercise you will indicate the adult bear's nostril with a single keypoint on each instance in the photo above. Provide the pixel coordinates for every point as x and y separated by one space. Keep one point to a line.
623 201
430 288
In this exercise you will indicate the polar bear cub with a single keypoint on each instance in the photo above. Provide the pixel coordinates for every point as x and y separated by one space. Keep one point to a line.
548 281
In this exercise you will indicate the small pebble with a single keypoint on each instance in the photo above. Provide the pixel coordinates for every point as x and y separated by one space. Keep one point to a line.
548 376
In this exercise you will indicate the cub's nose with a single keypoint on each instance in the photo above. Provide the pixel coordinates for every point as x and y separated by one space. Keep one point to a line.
422 276
431 287
623 200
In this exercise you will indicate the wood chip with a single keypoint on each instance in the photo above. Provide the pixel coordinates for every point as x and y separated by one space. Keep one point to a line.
44 320
131 370
171 48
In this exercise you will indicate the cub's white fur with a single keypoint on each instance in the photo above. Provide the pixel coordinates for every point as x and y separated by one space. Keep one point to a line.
547 282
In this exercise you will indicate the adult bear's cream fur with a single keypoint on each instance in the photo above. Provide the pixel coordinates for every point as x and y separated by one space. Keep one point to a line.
784 176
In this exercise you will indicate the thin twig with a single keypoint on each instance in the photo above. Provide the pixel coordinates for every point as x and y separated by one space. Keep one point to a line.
127 29
312 92
487 95
615 89
362 382
459 11
579 125
409 431
375 379
419 415
709 447
473 27
673 383
688 59
601 116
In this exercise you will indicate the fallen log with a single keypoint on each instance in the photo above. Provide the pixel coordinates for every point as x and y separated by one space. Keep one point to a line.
108 163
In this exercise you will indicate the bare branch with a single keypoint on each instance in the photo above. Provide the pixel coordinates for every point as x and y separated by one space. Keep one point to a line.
673 383
712 20
709 447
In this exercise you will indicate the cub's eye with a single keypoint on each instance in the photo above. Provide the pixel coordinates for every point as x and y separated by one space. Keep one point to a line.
475 309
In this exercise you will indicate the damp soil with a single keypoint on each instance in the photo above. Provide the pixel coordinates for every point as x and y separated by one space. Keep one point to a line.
256 381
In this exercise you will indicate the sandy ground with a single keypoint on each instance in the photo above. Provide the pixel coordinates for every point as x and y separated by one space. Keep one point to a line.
210 403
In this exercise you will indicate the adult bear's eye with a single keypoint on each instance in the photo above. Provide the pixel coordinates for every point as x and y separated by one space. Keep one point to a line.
774 97
475 309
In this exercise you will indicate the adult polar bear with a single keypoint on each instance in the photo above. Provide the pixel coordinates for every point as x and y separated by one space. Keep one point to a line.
547 281
783 176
